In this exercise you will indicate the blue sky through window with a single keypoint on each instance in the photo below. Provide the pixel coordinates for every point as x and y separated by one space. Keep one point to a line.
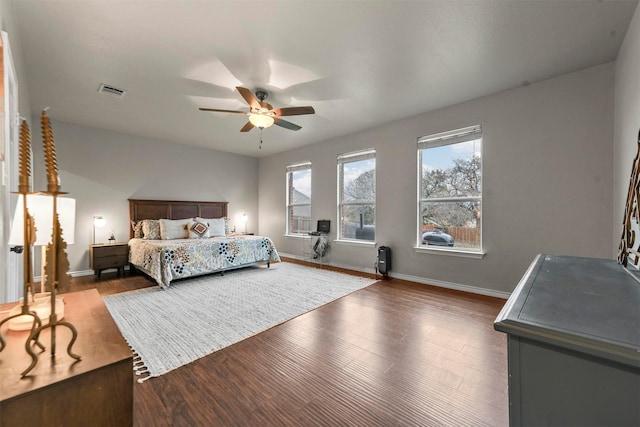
302 181
353 170
442 157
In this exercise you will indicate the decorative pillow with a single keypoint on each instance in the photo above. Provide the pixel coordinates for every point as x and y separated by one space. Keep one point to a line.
137 229
216 226
227 226
198 230
151 229
174 228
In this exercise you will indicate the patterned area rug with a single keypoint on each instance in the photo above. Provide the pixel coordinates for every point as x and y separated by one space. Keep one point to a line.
196 317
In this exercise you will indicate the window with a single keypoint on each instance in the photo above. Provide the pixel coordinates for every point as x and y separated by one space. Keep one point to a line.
357 195
450 190
299 198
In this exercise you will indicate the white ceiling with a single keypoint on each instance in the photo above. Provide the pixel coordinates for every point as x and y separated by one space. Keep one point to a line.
359 63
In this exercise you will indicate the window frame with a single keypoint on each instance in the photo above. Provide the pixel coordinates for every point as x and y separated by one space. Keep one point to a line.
456 136
342 159
290 205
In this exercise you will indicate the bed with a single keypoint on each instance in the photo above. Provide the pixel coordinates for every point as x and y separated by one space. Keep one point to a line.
159 247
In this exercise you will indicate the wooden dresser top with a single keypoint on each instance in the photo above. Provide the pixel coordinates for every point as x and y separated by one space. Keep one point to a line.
99 344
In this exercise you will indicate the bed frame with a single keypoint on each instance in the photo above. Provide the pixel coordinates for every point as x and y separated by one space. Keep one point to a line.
170 209
140 209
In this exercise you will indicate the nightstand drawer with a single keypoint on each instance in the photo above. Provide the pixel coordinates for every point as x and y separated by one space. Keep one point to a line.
109 262
109 251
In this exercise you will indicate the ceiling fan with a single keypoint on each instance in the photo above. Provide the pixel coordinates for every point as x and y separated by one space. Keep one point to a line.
261 114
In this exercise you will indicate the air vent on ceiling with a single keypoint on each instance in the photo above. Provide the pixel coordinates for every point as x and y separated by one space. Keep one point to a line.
112 91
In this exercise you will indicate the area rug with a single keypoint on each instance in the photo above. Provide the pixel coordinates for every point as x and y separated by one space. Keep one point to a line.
196 317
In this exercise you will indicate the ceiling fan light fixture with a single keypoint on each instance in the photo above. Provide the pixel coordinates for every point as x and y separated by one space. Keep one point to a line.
261 120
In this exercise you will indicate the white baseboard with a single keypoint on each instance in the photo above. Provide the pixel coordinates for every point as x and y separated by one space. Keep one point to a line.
82 273
455 286
421 280
72 274
410 278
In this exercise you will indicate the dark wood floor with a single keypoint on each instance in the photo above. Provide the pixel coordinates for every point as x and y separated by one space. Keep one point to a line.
394 353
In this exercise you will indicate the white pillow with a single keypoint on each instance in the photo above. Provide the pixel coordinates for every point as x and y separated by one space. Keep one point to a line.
174 228
216 226
198 229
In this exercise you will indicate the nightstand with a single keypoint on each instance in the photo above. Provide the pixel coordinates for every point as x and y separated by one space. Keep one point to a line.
103 256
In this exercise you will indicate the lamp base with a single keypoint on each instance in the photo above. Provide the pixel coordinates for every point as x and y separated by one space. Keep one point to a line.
41 306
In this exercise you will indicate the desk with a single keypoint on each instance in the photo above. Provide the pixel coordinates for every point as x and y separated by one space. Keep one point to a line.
573 341
96 391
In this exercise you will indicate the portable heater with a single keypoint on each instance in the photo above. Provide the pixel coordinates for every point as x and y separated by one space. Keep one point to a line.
384 260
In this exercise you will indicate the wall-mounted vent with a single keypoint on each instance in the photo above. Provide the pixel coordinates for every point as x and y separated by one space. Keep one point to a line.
112 91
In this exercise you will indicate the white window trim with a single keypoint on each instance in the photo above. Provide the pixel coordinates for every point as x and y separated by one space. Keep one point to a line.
344 241
355 156
469 133
289 169
450 252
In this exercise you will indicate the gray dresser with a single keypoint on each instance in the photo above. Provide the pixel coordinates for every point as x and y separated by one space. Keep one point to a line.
573 328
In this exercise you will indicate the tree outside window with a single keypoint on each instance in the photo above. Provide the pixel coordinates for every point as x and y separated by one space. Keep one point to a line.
450 201
357 198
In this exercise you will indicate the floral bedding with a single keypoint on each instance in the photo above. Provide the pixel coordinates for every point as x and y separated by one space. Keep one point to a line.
167 260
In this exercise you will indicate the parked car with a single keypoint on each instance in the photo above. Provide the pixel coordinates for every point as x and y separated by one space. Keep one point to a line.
436 238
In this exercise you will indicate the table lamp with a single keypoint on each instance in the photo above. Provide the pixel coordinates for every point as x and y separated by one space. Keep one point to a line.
99 222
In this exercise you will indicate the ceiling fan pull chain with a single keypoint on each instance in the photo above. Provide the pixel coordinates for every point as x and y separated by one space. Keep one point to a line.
260 147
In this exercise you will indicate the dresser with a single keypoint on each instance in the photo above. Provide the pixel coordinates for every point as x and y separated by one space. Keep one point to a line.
95 391
573 341
104 256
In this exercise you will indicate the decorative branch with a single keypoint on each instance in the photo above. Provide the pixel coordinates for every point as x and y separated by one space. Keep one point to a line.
25 158
57 263
29 236
53 181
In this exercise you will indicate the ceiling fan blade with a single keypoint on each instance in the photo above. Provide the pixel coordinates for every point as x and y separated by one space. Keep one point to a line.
247 127
294 111
249 97
285 124
215 110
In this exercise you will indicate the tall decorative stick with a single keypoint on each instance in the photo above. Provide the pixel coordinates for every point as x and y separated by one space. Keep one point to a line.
56 259
29 235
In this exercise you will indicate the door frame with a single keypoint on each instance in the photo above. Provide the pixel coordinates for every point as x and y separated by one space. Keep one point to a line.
13 271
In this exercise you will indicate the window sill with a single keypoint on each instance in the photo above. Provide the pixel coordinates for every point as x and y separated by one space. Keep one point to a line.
298 236
355 242
450 252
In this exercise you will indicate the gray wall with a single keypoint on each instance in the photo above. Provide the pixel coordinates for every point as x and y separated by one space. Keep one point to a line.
102 169
549 172
627 121
547 181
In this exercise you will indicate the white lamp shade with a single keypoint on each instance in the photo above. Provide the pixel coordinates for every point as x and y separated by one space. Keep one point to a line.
99 221
41 209
261 120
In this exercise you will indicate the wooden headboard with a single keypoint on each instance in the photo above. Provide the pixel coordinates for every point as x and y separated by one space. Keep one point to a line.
171 209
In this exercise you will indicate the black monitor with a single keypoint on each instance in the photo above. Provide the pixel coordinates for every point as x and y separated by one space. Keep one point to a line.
324 226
